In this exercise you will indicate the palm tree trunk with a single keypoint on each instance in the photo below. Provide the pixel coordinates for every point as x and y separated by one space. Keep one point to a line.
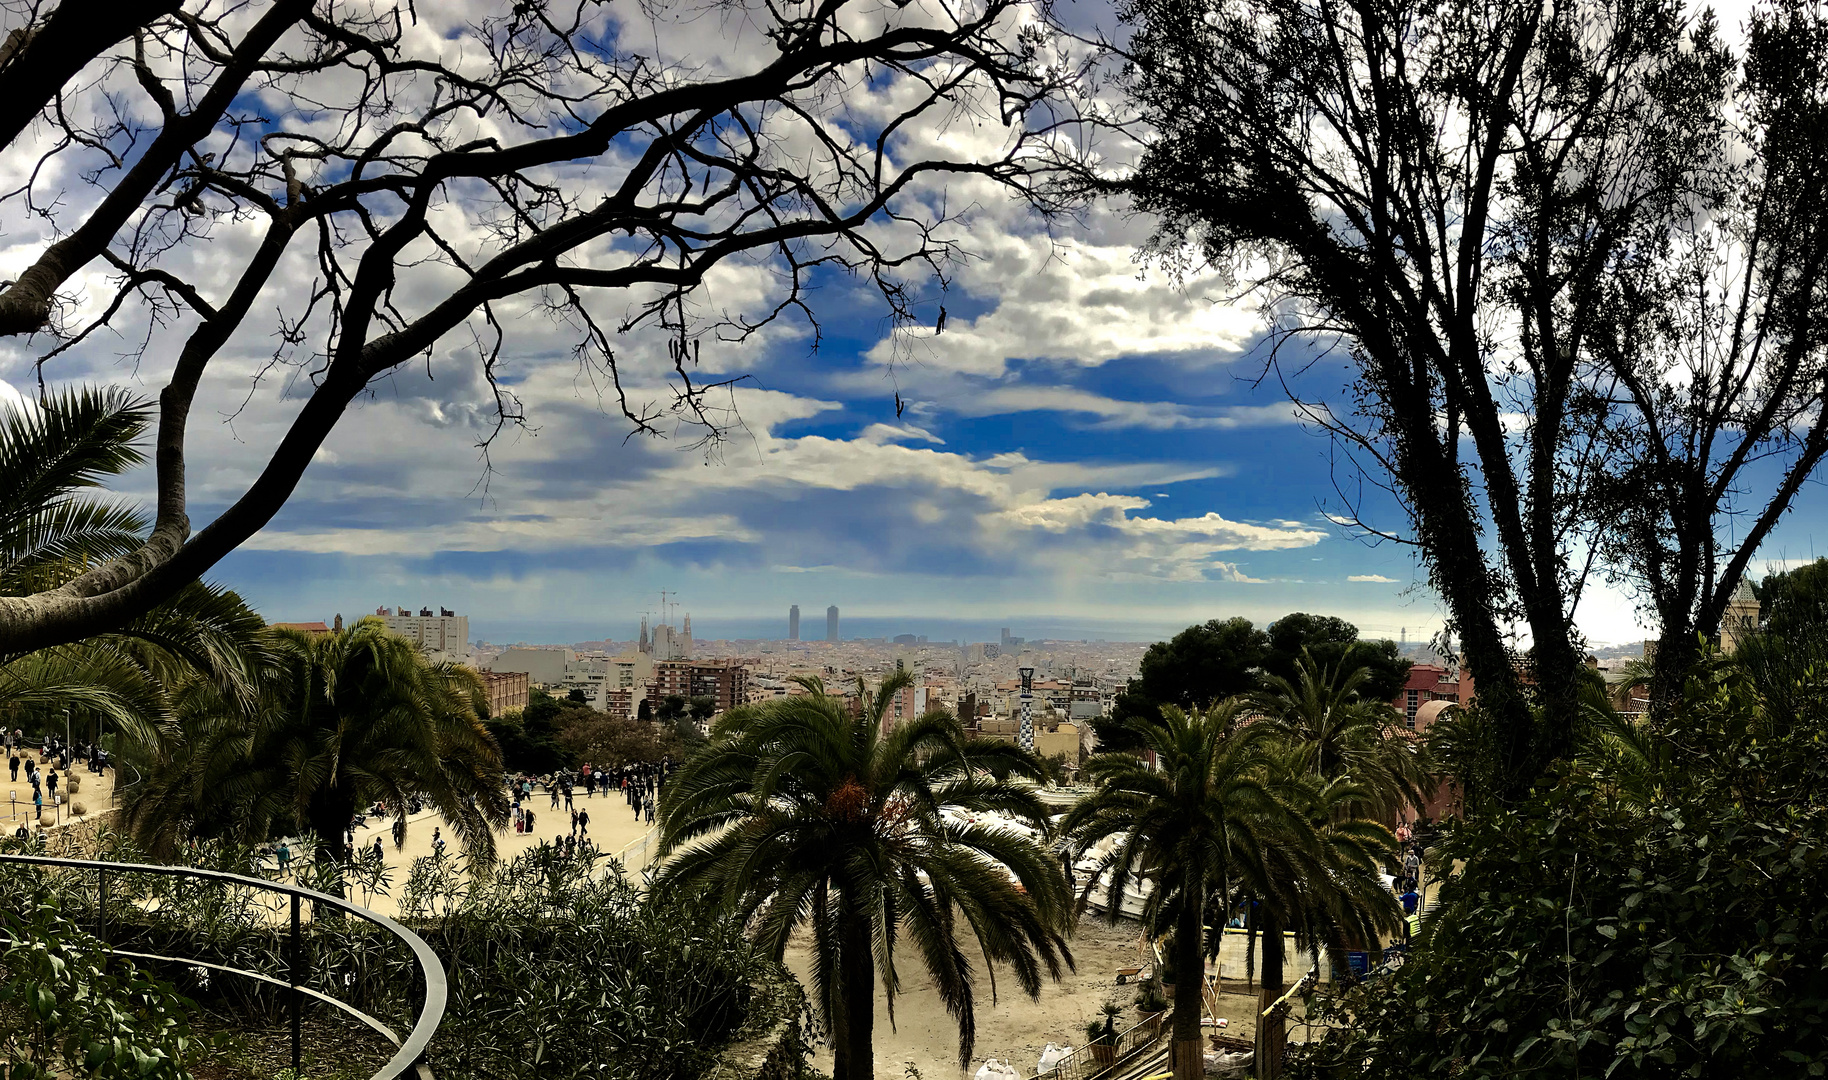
1188 969
854 1053
1272 1035
329 819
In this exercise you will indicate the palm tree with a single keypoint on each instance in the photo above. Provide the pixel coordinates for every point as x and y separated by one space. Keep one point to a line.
1318 881
1336 732
1346 766
351 717
1192 824
53 457
806 811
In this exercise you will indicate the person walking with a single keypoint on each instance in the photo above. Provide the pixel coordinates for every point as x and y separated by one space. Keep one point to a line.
650 811
634 800
574 824
285 858
553 787
583 822
529 822
568 795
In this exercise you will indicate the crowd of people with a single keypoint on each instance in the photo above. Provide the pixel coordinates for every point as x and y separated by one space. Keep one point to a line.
46 766
639 785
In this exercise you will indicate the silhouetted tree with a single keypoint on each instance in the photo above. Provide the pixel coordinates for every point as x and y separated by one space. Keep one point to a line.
1575 255
441 178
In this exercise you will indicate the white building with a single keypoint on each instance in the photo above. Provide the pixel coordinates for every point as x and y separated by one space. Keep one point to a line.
444 637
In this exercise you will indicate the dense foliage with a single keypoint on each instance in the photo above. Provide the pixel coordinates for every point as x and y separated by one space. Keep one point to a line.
346 719
65 1009
556 973
1655 911
559 966
529 738
1218 659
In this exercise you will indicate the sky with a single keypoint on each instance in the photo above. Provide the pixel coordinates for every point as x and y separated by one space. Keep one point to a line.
1085 451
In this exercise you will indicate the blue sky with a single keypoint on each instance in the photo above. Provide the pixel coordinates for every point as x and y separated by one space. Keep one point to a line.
1082 452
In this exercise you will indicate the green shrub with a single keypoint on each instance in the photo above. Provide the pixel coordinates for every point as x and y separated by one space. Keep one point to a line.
75 1011
1655 910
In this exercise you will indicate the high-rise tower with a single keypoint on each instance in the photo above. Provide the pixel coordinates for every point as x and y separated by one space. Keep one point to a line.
831 623
793 623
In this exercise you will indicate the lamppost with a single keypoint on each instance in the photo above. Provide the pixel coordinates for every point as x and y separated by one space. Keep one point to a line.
1027 738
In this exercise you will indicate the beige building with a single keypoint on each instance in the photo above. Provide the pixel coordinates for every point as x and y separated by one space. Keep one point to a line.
1741 618
444 637
545 667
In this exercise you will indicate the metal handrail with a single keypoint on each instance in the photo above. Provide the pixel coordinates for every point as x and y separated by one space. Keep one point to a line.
431 1013
1084 1063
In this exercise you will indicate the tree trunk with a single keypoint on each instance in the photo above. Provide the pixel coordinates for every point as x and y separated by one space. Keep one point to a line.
328 819
854 1051
1272 1034
1447 527
1677 651
1188 969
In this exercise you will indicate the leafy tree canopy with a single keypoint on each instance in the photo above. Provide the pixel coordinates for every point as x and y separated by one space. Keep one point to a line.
1790 599
529 740
1218 659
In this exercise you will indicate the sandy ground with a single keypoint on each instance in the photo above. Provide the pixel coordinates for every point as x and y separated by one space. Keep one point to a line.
96 795
923 1044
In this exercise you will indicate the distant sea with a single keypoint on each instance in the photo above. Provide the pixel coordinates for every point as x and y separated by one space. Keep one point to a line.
812 628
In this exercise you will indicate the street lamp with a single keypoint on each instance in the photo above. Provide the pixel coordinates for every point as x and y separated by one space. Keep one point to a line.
1027 737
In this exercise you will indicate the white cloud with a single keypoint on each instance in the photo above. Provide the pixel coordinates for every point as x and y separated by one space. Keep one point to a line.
1112 412
1379 578
1074 300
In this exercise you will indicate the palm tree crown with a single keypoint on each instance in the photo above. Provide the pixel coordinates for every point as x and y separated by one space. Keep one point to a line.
1335 732
806 811
350 718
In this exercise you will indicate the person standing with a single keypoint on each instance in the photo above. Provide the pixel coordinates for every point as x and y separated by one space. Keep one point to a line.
552 786
12 762
634 800
650 811
285 858
529 822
